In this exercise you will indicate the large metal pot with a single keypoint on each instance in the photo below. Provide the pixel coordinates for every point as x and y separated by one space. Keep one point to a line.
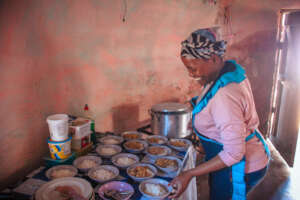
170 119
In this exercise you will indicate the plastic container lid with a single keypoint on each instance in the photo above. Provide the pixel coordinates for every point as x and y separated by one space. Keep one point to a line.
170 108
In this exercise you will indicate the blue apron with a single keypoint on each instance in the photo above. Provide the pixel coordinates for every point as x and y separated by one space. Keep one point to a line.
236 189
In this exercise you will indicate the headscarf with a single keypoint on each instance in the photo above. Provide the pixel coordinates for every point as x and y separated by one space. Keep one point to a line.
202 44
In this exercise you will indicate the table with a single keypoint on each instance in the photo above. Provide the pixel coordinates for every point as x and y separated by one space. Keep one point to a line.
36 178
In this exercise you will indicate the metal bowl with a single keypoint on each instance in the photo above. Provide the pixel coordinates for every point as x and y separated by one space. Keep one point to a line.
111 139
99 148
169 169
81 159
130 150
161 182
115 158
162 139
119 186
111 168
166 151
186 141
127 135
73 171
140 179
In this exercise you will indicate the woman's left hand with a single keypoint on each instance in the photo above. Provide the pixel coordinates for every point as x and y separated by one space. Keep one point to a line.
180 184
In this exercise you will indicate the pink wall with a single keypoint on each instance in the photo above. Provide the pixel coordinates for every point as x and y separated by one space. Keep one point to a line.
56 56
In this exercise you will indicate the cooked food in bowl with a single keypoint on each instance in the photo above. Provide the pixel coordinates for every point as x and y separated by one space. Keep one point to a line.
66 192
108 150
131 135
87 163
157 150
111 140
103 173
141 171
166 163
136 145
125 161
155 189
156 139
61 171
178 143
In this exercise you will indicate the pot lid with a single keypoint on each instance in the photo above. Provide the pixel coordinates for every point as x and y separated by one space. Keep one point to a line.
170 107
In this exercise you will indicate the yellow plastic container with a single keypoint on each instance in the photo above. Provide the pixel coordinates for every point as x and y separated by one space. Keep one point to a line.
60 150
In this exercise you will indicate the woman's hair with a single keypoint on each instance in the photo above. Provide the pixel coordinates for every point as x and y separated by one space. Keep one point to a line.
202 44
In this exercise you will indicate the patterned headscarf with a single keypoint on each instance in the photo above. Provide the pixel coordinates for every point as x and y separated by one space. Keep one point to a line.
202 44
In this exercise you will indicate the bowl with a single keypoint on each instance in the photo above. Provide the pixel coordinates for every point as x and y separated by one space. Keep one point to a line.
101 178
46 191
163 151
106 147
82 163
119 186
61 171
133 150
115 158
169 169
131 135
156 181
111 139
140 179
157 140
179 140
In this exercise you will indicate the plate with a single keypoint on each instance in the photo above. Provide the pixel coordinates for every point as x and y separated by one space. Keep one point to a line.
118 186
163 183
47 191
111 168
61 171
105 147
114 159
78 163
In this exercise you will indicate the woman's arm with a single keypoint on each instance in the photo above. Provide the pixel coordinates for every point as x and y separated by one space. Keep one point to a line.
182 181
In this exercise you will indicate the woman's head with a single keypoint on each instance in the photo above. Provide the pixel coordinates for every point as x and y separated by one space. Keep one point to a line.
202 54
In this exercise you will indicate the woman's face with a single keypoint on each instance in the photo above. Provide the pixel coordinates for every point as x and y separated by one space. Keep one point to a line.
201 69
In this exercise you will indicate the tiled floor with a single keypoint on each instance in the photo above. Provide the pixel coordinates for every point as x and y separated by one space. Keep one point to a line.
280 183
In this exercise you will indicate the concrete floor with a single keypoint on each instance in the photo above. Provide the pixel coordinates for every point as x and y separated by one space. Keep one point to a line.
280 182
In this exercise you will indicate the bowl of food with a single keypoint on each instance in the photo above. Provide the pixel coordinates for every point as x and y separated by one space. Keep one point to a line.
84 163
61 171
179 144
157 139
155 151
124 160
135 146
131 135
116 190
103 173
141 171
168 164
65 188
111 139
108 150
155 189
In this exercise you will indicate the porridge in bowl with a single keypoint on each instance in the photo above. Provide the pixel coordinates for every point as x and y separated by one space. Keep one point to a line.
125 161
61 171
154 189
108 150
103 173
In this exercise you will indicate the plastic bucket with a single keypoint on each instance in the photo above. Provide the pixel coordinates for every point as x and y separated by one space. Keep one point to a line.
58 127
60 150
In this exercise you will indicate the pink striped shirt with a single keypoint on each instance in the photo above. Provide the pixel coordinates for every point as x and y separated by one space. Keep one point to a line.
229 118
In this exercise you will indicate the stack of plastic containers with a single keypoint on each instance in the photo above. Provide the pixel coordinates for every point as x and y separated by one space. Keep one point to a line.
59 141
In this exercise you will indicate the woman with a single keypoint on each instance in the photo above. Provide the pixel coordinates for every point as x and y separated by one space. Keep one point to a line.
224 119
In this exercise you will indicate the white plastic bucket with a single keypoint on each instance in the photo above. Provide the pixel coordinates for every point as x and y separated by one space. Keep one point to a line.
58 127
